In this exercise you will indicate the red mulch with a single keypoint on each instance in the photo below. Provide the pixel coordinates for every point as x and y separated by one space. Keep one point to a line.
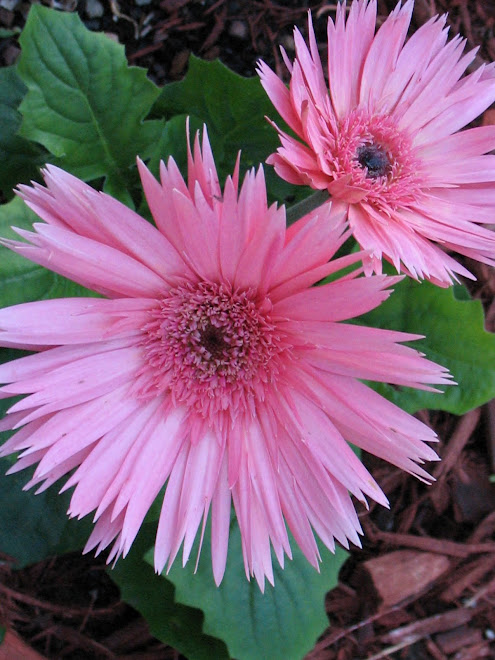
423 586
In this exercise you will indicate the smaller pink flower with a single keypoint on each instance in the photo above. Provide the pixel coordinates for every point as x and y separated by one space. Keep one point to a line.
382 138
211 373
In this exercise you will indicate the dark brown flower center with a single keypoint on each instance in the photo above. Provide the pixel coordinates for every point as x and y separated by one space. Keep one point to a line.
213 340
374 159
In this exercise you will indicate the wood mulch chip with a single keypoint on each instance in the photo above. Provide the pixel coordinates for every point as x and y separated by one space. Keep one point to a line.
423 585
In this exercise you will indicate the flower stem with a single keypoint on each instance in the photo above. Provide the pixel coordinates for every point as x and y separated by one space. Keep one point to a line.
307 205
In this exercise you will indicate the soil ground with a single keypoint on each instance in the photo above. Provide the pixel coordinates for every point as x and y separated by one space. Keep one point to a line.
436 541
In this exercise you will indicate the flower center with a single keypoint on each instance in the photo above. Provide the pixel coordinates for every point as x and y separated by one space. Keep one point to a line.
373 158
213 340
369 159
211 347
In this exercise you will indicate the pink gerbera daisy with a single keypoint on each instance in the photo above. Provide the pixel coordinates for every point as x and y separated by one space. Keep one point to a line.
212 367
381 138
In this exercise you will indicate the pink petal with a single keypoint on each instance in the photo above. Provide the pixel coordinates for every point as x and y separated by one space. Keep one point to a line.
348 44
68 321
349 298
94 265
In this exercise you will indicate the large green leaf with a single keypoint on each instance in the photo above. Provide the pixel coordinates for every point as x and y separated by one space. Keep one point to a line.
19 158
20 279
234 110
84 104
281 623
178 625
454 337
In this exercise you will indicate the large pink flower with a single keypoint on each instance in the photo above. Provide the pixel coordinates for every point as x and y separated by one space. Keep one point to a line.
381 138
212 366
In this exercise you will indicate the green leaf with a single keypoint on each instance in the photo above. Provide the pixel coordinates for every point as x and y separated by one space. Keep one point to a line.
174 624
173 142
84 104
454 337
281 623
233 107
5 34
19 158
234 110
20 279
33 527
